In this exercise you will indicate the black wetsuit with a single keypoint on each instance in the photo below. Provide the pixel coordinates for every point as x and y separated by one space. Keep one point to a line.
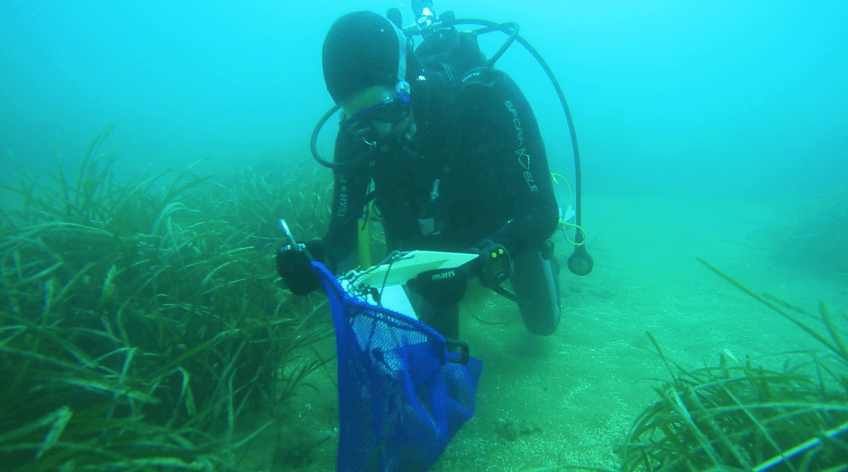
480 140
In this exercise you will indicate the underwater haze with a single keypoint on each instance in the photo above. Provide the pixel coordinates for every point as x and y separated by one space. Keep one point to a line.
729 98
143 323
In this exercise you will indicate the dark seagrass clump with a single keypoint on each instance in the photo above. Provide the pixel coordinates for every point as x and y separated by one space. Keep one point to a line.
141 321
741 416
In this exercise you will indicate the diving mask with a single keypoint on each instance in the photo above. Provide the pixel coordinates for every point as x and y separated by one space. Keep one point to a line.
376 121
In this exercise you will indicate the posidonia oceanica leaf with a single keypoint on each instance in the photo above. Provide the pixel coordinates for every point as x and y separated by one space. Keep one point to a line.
57 420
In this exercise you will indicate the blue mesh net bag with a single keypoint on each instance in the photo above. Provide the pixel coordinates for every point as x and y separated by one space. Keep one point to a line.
402 393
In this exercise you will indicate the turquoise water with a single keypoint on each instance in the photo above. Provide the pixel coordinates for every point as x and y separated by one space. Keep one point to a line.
669 97
713 130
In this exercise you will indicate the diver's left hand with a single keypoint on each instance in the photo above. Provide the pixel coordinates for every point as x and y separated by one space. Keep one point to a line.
493 265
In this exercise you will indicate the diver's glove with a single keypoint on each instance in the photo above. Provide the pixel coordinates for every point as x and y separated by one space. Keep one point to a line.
293 266
441 286
492 266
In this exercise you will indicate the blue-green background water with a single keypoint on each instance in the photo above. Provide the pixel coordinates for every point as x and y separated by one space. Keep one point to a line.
707 129
739 98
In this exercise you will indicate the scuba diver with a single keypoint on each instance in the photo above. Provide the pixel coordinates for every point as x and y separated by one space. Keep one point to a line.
449 151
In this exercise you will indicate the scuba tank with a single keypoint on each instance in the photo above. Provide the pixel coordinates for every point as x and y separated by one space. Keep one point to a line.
457 52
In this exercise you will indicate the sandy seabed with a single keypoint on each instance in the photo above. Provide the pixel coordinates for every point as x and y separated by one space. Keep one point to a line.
569 398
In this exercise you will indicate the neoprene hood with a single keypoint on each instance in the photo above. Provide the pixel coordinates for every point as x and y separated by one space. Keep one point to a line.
363 49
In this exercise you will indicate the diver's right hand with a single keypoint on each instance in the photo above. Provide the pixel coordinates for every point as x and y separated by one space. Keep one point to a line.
293 266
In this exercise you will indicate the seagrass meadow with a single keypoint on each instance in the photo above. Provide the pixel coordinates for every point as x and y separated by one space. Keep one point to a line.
141 322
143 328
